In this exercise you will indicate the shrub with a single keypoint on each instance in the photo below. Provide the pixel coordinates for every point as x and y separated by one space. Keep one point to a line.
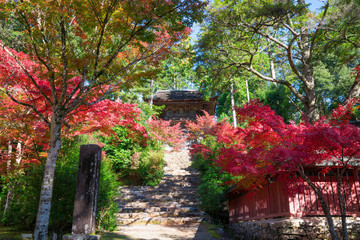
205 150
151 168
119 149
212 190
136 163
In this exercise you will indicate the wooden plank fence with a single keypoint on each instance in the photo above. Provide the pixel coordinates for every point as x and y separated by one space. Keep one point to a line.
273 200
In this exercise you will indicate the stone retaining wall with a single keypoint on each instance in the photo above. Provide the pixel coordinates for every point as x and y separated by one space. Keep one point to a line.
292 229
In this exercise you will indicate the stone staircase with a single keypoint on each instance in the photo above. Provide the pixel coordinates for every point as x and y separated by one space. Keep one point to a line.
173 202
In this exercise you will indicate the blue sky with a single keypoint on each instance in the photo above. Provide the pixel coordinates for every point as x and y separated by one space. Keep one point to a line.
314 5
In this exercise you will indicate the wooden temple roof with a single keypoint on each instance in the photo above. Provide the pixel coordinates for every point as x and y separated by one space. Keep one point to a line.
177 95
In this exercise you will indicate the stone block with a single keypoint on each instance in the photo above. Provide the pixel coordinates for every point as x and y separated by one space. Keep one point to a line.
303 229
26 236
297 231
290 237
81 237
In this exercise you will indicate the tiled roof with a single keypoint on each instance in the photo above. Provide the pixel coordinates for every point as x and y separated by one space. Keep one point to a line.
177 95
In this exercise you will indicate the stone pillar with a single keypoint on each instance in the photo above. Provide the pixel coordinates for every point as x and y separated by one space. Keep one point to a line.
87 189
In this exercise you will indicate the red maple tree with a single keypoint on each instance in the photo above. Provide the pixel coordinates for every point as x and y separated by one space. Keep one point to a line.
264 147
77 53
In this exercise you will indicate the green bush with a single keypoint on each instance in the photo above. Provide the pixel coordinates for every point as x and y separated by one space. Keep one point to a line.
212 190
119 149
136 164
26 191
151 168
108 191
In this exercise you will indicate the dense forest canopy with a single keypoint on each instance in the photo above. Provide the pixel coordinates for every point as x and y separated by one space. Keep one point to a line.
296 59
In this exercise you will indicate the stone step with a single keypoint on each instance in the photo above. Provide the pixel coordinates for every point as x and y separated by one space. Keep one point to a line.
161 187
129 196
157 196
175 213
174 176
174 201
160 220
178 184
189 200
174 204
160 209
164 190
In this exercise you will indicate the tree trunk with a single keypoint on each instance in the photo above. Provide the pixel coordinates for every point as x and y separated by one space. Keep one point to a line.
324 207
151 93
233 104
247 90
342 204
272 65
18 161
311 109
310 103
8 170
355 88
18 153
43 215
8 163
9 196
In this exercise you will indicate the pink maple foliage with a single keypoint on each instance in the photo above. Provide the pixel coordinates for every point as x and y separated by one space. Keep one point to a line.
165 132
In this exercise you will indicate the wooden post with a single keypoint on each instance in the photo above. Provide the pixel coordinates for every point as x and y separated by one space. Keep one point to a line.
87 189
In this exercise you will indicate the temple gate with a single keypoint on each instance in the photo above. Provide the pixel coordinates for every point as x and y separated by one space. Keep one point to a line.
182 105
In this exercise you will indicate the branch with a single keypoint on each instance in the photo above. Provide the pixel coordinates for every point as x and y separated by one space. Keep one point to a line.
291 60
286 83
65 63
101 35
295 105
29 106
296 34
45 63
271 38
26 72
318 28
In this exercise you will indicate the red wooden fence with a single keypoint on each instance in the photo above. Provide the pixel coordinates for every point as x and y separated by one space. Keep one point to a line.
274 201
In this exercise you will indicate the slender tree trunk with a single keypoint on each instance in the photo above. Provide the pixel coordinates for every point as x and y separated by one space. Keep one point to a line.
43 215
323 204
8 163
18 160
233 104
342 204
9 196
151 93
272 65
19 153
8 169
247 90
